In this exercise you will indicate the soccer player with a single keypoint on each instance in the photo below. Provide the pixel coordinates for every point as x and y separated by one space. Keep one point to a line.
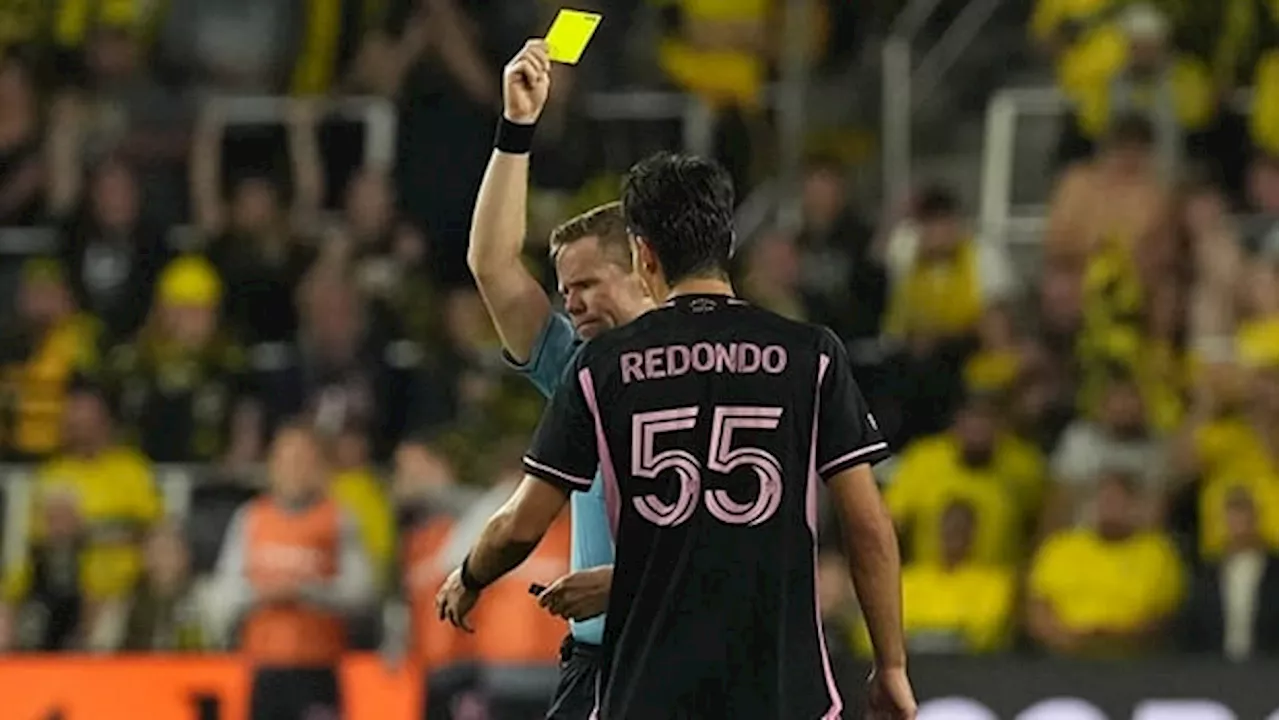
593 264
712 422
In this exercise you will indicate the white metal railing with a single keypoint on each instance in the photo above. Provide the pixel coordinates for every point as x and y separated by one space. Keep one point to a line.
998 218
903 87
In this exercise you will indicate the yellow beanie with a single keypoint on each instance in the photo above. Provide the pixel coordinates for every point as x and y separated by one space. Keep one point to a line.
189 280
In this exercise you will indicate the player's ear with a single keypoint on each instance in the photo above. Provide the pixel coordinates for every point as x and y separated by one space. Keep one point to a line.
644 259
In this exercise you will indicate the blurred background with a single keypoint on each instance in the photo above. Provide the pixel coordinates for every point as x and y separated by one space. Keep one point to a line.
1047 230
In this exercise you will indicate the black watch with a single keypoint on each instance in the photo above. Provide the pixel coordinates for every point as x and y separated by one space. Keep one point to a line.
469 581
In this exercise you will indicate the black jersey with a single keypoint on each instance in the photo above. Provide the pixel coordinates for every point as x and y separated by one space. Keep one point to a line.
711 422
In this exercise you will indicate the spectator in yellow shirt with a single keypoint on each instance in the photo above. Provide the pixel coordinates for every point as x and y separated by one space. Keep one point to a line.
957 605
106 492
942 277
997 475
49 345
1108 590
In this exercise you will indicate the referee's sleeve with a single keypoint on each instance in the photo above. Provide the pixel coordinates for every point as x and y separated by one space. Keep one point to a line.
848 434
564 451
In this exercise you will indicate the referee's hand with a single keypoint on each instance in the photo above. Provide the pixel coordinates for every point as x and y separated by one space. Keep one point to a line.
454 601
890 697
526 83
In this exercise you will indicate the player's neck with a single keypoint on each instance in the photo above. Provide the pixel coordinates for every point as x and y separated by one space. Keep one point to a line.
701 286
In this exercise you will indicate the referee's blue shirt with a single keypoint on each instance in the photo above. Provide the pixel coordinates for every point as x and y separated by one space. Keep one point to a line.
591 541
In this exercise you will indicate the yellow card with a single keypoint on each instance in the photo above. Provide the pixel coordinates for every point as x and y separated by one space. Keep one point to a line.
569 34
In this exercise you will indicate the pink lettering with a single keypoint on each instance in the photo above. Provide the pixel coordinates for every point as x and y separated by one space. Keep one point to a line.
678 360
653 364
675 360
704 357
631 366
774 359
725 361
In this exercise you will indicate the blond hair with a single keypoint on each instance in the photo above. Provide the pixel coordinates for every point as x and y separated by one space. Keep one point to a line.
605 223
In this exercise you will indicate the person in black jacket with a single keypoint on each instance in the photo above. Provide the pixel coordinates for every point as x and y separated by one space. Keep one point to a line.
1231 609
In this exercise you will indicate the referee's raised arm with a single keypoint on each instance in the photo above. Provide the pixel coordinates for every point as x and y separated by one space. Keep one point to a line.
516 301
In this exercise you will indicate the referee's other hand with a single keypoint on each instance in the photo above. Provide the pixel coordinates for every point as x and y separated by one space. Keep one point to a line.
526 83
890 696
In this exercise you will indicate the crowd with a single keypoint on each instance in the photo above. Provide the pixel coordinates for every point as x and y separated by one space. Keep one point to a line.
1085 454
1087 460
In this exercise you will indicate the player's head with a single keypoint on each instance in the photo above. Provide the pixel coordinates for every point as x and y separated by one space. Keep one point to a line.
593 266
679 212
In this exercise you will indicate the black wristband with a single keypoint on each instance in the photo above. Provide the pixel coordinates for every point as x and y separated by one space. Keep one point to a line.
469 581
513 137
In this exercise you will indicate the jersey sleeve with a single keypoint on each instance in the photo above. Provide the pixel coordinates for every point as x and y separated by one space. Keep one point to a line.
847 431
551 355
564 450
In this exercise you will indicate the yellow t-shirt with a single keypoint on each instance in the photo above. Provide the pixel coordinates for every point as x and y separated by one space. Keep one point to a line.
937 298
40 384
1264 120
1095 54
117 499
930 477
1258 342
718 76
361 494
1092 584
1231 455
971 605
968 609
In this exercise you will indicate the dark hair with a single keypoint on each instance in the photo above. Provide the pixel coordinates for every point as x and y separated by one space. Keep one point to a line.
1132 130
818 162
936 202
605 223
682 205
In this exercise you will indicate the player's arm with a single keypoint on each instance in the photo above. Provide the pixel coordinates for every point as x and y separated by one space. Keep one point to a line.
562 459
874 563
516 301
514 530
848 444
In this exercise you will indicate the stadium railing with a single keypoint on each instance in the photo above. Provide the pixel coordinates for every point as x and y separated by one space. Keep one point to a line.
1000 218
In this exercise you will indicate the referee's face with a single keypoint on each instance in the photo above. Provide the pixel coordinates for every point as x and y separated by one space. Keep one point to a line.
599 292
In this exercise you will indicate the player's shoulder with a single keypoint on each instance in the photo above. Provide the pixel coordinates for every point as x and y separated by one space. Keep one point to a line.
796 333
